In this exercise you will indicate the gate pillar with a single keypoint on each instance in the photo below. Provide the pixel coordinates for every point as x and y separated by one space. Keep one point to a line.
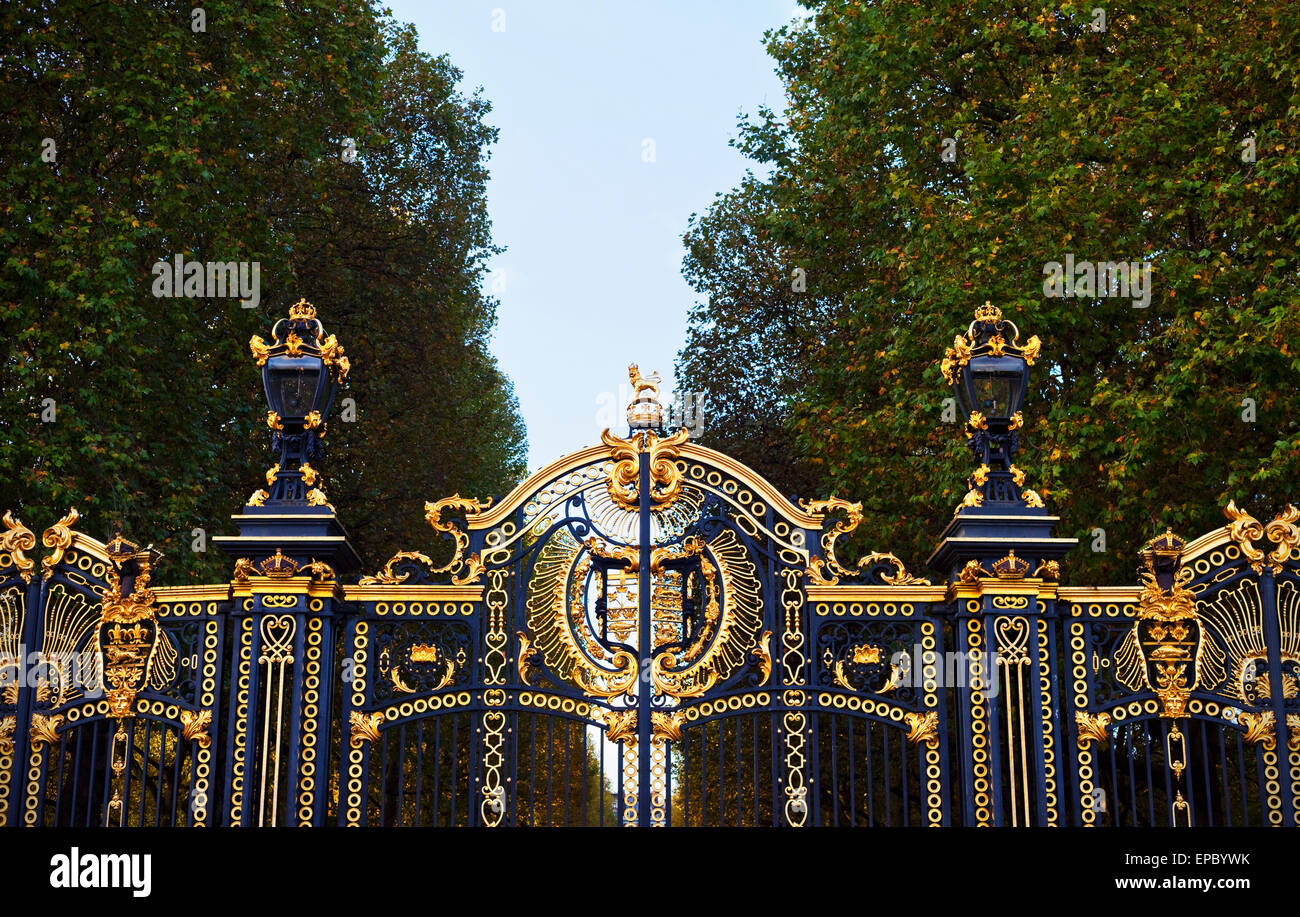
288 555
1007 679
1001 562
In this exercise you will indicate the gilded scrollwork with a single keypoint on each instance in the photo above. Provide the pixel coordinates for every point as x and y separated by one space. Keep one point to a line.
16 539
1283 532
365 727
526 658
692 682
900 576
627 554
45 729
464 569
474 569
620 725
666 726
433 514
59 537
622 481
388 575
195 725
826 570
1259 728
1092 728
846 526
816 572
764 654
923 727
1244 529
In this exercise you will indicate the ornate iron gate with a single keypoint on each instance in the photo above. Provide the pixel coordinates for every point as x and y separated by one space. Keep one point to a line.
109 686
642 651
1186 690
648 633
639 653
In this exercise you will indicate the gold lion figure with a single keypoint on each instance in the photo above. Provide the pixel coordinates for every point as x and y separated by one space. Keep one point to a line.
642 383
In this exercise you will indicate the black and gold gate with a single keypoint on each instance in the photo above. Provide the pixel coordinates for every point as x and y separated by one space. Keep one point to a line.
641 650
647 633
1187 710
109 685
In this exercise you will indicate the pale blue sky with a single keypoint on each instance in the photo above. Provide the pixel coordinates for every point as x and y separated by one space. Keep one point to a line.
592 274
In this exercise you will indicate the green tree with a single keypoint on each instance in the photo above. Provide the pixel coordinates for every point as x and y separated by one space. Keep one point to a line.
750 397
401 249
1129 143
134 138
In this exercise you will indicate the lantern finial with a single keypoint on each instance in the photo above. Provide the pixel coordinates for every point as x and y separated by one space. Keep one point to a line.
988 369
302 368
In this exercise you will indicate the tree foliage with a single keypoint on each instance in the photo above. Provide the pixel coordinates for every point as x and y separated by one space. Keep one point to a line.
1128 143
224 144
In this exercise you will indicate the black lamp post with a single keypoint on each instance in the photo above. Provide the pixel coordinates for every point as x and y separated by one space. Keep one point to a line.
989 372
301 372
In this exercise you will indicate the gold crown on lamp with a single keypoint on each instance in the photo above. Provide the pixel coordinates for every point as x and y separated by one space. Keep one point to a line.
988 313
302 310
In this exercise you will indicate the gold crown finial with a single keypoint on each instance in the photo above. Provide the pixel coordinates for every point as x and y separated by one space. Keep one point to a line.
302 310
988 313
